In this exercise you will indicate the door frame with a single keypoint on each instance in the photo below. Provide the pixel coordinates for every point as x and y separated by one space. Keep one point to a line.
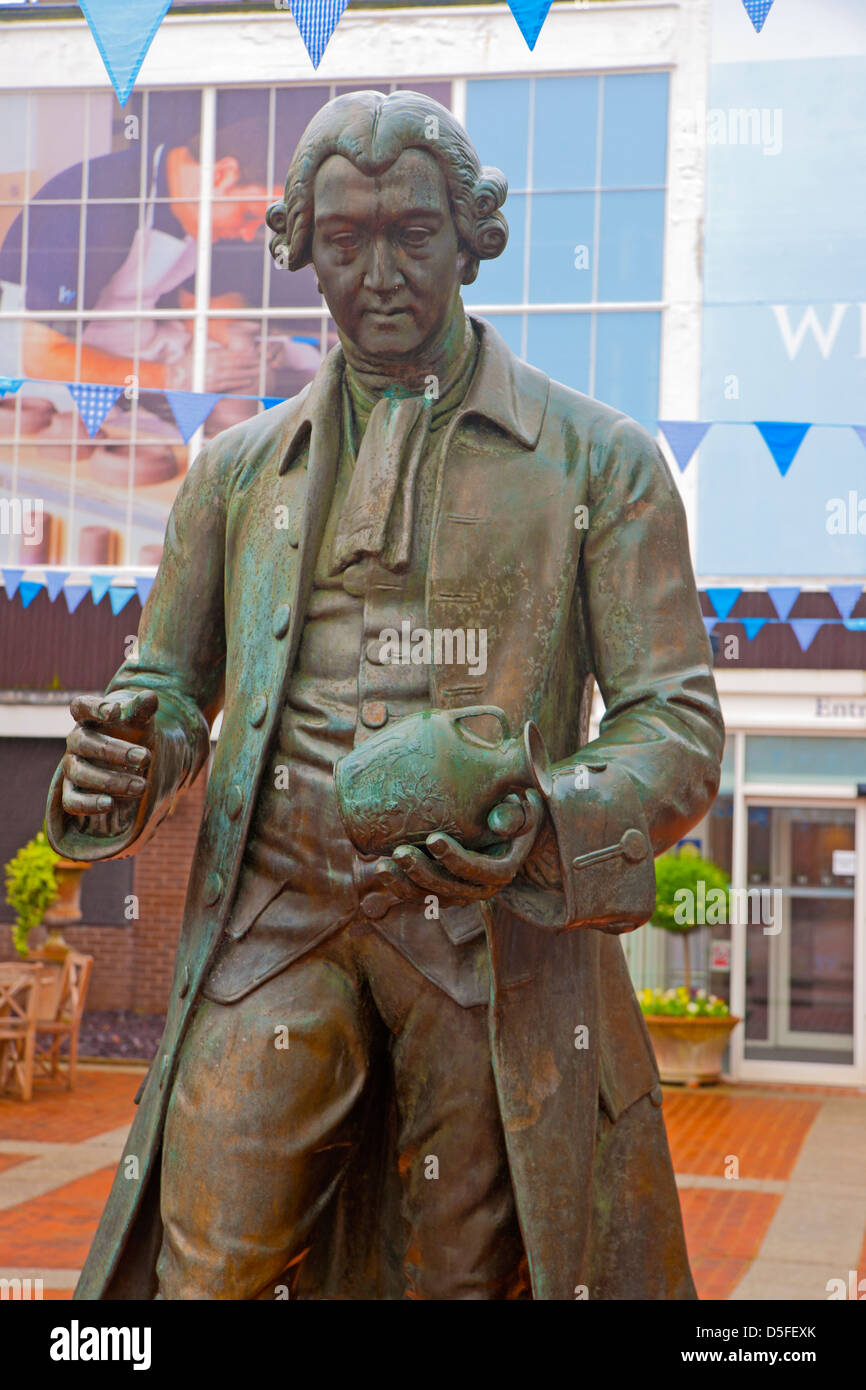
745 795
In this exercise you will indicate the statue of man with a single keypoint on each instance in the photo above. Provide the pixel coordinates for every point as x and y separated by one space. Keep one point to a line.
424 1075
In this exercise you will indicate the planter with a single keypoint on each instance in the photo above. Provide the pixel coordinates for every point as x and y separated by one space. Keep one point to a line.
690 1050
65 909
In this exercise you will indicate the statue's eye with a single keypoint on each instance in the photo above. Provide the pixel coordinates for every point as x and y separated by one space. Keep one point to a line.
416 236
345 241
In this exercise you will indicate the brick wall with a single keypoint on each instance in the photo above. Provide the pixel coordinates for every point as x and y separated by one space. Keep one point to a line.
132 965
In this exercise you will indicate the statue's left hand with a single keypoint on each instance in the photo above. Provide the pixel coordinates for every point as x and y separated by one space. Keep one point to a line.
454 874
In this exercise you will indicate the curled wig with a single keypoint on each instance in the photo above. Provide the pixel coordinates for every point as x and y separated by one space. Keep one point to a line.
372 130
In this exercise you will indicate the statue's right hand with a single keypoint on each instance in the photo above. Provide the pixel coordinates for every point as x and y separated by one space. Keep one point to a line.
108 756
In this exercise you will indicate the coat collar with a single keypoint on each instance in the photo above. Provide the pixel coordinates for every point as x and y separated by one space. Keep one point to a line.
503 390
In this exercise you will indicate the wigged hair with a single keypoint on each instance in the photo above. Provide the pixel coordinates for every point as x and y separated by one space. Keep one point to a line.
371 130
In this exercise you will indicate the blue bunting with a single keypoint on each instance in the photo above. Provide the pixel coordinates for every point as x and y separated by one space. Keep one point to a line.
783 440
783 599
683 436
723 600
757 10
317 20
530 16
124 31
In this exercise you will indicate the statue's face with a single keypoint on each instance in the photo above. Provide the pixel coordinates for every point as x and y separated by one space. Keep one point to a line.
386 253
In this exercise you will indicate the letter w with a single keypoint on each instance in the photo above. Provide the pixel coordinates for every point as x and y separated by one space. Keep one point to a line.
793 338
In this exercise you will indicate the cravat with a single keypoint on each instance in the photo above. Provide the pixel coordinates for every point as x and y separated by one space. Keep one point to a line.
377 513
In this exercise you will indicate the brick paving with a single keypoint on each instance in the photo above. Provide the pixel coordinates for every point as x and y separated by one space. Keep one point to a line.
795 1148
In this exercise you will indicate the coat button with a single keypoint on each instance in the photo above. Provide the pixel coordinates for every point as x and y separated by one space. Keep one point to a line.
374 651
656 1095
294 534
258 708
374 713
234 802
282 618
212 892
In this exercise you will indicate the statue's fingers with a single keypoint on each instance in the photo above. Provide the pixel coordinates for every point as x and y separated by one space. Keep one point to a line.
498 866
91 777
80 803
91 743
508 817
432 878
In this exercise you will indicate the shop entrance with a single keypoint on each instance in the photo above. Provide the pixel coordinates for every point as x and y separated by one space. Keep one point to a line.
800 934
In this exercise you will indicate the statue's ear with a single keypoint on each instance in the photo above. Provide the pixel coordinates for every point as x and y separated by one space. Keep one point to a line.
467 266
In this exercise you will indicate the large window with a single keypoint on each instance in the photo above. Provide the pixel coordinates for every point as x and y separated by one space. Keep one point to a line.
105 278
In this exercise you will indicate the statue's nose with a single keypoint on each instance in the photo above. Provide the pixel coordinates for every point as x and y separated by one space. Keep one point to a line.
382 275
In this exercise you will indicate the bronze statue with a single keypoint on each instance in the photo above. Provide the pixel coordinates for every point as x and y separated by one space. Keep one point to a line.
413 1070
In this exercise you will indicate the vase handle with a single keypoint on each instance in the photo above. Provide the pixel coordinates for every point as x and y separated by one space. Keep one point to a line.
473 712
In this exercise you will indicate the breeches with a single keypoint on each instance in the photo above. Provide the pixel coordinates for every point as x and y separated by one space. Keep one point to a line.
268 1107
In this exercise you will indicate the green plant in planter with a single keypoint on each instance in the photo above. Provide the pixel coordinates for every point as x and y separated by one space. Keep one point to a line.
31 886
690 891
678 1003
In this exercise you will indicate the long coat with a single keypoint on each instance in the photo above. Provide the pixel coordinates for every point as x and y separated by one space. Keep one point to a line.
558 529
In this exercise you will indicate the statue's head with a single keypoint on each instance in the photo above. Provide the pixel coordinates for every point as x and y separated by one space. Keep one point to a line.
386 197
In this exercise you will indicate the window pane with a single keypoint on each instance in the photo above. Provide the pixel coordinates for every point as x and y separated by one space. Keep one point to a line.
566 125
295 108
497 119
562 248
627 363
634 138
559 344
630 254
57 141
777 759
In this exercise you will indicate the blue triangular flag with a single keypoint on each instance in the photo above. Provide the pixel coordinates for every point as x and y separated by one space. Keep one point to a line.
723 600
11 580
99 586
845 597
753 626
94 403
190 409
74 593
268 401
143 585
119 598
123 34
9 385
860 431
28 589
783 599
683 436
317 20
54 581
757 10
709 624
805 630
783 440
855 624
530 15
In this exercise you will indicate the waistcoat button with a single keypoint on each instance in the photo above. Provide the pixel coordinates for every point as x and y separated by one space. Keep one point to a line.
258 708
374 713
234 802
213 887
374 651
282 618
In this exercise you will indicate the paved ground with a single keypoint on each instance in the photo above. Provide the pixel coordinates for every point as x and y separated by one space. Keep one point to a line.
772 1182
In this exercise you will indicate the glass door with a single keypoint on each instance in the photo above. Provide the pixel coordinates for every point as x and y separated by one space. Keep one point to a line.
800 934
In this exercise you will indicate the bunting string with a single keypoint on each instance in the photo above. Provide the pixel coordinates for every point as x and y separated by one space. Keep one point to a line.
124 32
783 438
